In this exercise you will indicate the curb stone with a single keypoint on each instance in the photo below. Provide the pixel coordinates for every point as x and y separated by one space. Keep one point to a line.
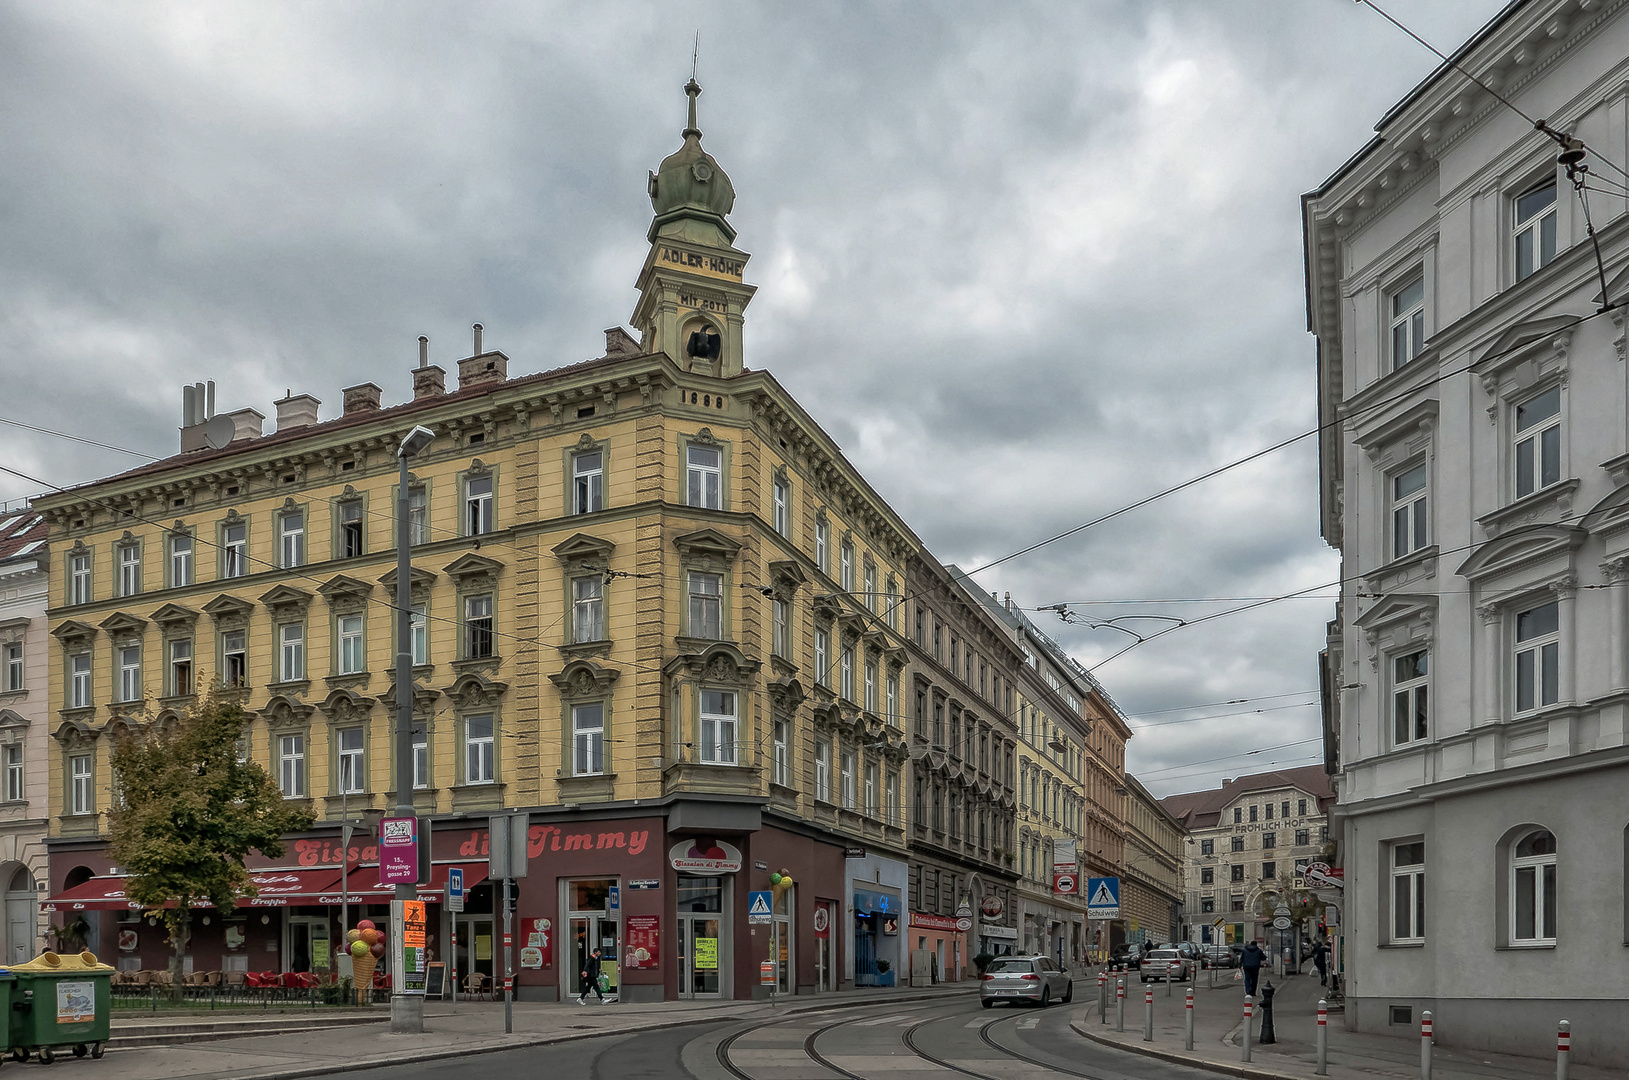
1193 1061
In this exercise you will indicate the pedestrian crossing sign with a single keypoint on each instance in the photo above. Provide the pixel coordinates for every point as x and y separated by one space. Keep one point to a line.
1103 898
758 906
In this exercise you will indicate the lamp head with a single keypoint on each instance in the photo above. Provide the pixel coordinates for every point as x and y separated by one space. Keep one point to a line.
417 441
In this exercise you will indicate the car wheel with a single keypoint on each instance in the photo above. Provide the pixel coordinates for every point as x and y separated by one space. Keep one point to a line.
1046 996
987 1003
1069 992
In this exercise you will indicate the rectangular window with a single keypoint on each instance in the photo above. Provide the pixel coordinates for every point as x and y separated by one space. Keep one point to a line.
822 659
892 804
782 508
588 739
870 687
350 530
79 586
1538 657
130 570
1534 227
718 727
1538 442
291 766
234 658
1207 847
80 790
478 750
421 758
1301 807
14 772
893 700
1269 811
1407 322
920 639
1408 511
1252 813
80 690
418 625
235 551
846 779
1408 892
847 687
14 665
1236 873
352 775
477 627
1533 890
706 612
180 561
587 483
351 658
1269 871
1303 837
477 505
781 763
181 683
1269 839
1238 815
870 586
291 652
291 527
703 474
1207 905
1284 809
781 631
588 609
1207 876
823 772
823 546
870 790
418 516
1236 843
846 568
1411 709
130 673
1236 902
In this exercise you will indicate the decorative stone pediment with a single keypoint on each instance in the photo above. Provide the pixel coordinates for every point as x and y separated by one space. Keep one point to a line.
707 548
345 593
582 678
1535 545
424 699
786 693
472 570
705 437
229 611
475 691
581 550
12 721
720 662
285 712
72 735
343 706
1555 331
826 606
418 583
786 577
124 726
1398 608
73 632
122 623
1609 516
175 617
285 600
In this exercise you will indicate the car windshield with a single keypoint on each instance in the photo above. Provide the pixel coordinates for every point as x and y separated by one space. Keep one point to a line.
1009 967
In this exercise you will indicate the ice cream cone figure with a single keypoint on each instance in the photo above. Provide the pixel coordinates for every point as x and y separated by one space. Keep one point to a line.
364 977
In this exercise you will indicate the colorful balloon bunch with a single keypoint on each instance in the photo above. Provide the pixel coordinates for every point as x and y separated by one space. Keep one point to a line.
366 944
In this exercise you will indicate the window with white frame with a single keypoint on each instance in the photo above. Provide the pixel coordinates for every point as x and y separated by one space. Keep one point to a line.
822 775
587 482
234 550
891 608
478 749
706 599
823 546
1407 322
421 757
418 515
782 508
822 655
15 791
79 579
291 545
847 685
418 625
846 779
130 673
181 683
891 804
1534 228
353 777
477 627
1538 657
1409 520
291 654
291 766
870 789
870 585
588 609
1411 707
129 569
781 628
234 658
846 567
718 727
588 739
781 755
703 476
870 687
14 666
1533 889
1408 892
1536 457
893 700
351 655
351 544
81 791
477 505
79 693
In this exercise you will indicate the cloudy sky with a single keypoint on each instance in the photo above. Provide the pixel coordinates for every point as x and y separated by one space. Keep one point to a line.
1027 263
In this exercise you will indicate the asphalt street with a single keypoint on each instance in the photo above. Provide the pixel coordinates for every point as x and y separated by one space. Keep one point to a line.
941 1041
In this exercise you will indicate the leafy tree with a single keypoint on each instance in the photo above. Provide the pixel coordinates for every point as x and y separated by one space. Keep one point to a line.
188 812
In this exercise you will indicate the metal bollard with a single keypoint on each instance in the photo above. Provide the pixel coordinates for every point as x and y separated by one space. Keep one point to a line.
1244 1039
1563 1049
1323 1037
1425 1045
1168 982
1188 1041
1148 1015
1103 996
1120 1004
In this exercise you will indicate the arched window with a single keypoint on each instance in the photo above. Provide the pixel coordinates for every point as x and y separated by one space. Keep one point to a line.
1533 889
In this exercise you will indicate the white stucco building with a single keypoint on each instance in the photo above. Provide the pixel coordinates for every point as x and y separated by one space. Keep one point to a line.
25 723
1475 477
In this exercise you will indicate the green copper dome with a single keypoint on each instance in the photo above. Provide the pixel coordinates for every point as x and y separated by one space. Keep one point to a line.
689 182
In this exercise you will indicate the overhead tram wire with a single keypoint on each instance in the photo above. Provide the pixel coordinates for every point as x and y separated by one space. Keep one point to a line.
79 439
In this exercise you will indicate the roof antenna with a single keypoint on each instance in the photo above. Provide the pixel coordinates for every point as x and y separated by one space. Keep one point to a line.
695 55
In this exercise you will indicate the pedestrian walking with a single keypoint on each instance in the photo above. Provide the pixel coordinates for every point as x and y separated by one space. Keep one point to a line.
1251 960
591 977
1320 960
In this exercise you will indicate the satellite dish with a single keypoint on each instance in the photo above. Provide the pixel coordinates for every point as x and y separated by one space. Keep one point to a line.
218 431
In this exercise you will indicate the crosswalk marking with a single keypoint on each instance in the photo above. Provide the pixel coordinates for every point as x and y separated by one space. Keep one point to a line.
977 1021
1026 1025
882 1020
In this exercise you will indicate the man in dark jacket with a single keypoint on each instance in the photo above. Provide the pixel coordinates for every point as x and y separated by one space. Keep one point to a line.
1251 960
1320 960
591 977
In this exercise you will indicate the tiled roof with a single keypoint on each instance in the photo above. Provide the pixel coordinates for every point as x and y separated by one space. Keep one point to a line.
22 533
1201 809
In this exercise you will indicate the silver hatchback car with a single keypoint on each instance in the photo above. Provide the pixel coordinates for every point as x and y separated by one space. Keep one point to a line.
1025 978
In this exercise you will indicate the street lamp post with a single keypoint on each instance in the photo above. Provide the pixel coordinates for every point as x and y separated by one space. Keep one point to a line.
406 1010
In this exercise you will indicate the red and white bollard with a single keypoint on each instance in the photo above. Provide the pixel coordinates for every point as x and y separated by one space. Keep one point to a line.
1120 1004
1323 1037
1148 1014
1244 1037
1563 1049
1188 1008
1425 1045
1103 995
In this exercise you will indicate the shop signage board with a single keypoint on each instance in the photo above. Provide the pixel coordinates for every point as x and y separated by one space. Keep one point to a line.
642 942
435 982
409 952
706 954
399 851
1001 933
854 853
964 924
990 908
716 857
890 925
455 889
759 906
924 921
1281 923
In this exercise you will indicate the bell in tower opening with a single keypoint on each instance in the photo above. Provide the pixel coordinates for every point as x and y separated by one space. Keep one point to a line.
703 344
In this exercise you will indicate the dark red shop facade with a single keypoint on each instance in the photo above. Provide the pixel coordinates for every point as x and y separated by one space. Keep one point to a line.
677 895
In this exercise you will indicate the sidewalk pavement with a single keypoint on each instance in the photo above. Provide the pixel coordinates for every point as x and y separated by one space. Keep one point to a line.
1218 1018
474 1028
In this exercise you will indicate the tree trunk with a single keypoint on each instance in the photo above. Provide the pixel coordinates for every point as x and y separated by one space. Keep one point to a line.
180 935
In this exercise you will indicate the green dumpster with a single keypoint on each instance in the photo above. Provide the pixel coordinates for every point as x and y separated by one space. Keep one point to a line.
60 1002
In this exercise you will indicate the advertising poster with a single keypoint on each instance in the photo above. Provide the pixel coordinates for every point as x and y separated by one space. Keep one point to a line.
76 1002
642 937
540 936
409 948
706 954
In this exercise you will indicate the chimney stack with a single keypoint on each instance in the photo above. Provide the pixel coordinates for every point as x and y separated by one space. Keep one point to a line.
296 411
248 422
361 398
429 380
618 342
482 368
478 349
424 351
197 406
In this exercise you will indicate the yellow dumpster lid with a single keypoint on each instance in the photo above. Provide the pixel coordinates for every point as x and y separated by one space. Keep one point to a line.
48 963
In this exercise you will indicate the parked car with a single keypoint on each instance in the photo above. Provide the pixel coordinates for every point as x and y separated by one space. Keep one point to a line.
1166 965
1025 978
1193 953
1220 956
1125 958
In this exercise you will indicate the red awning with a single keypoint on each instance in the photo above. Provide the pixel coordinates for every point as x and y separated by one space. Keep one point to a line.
364 885
277 887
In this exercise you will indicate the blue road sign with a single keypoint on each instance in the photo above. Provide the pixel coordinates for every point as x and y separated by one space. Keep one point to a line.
616 898
1103 898
758 906
455 889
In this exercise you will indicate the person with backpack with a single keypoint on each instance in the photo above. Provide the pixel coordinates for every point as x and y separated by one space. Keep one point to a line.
591 977
1251 960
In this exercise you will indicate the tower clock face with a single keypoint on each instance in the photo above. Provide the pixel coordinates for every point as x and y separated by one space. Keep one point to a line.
702 171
